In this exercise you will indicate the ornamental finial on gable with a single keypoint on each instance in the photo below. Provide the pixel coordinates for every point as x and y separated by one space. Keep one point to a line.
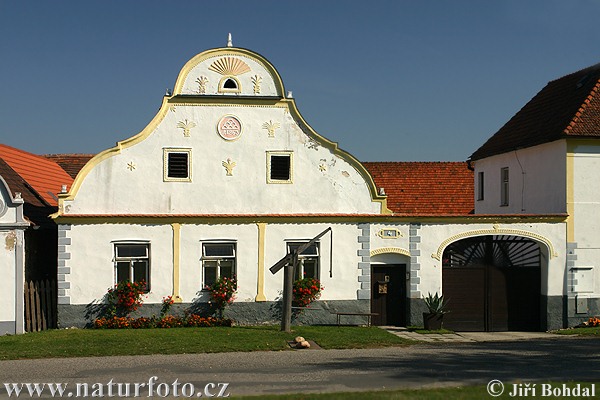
229 42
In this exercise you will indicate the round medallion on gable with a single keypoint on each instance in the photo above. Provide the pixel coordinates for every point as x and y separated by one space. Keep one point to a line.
229 127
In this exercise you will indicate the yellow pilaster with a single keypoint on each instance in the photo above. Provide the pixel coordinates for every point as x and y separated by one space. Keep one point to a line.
176 258
570 194
260 286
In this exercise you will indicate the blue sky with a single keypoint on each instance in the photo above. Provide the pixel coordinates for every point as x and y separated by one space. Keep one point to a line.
388 80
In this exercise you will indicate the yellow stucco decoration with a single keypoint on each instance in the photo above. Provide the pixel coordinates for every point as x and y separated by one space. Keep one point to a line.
496 231
175 99
387 250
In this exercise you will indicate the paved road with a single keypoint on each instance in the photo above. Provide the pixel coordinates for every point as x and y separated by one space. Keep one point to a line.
427 365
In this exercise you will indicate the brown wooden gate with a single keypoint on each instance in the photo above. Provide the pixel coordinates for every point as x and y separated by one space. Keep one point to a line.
388 294
40 305
492 283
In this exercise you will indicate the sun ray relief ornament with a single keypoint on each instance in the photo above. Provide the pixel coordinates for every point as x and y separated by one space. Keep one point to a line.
229 66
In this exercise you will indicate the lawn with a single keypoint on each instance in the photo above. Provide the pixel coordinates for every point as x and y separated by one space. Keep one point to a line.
459 393
584 331
92 342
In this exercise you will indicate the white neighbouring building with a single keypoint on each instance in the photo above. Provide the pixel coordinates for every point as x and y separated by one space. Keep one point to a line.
12 263
228 177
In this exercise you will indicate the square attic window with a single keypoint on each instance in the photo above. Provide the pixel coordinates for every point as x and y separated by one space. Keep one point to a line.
279 166
177 165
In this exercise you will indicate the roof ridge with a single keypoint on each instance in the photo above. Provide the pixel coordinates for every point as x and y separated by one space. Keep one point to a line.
25 151
582 108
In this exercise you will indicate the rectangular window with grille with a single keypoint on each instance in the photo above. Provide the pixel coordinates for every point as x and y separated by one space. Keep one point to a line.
177 165
279 167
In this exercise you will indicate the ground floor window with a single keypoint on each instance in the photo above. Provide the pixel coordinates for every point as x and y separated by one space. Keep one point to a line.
308 260
218 260
132 262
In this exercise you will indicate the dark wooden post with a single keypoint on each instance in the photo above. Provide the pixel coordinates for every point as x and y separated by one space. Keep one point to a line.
288 288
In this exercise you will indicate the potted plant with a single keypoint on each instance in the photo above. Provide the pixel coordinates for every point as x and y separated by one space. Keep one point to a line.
433 319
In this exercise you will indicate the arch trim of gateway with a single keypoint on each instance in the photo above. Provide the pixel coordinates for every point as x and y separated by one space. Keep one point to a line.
496 231
386 250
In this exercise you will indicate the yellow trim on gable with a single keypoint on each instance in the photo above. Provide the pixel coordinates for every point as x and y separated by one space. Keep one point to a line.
333 146
98 158
225 51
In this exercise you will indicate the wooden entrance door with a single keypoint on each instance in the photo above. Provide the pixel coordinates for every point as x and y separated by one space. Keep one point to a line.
388 294
492 283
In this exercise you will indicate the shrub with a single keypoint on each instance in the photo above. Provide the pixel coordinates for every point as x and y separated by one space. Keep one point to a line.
222 292
305 291
125 298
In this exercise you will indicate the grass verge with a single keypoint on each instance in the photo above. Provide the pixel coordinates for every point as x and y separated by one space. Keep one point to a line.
460 393
92 342
585 331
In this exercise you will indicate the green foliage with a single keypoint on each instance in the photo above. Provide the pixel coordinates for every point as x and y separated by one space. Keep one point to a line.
222 292
435 304
125 298
305 291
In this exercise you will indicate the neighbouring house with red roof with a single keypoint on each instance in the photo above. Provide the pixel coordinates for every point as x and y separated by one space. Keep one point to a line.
12 264
228 178
31 186
546 160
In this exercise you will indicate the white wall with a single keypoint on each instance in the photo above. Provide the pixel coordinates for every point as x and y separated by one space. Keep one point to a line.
586 208
12 261
92 267
537 181
8 272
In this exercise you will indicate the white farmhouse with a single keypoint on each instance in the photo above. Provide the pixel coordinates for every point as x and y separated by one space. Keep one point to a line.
228 177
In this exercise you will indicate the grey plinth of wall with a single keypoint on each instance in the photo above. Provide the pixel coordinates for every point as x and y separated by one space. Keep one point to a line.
251 313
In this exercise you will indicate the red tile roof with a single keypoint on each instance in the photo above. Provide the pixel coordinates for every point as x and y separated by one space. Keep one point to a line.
566 107
16 184
425 188
44 176
71 163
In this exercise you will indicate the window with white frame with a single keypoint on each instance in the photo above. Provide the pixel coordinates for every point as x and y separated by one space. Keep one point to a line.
280 167
218 260
504 186
308 260
132 262
177 165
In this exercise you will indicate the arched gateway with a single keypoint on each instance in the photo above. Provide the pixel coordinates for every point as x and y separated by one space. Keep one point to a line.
492 283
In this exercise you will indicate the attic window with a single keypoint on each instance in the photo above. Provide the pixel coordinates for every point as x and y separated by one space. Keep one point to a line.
177 163
229 84
279 167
